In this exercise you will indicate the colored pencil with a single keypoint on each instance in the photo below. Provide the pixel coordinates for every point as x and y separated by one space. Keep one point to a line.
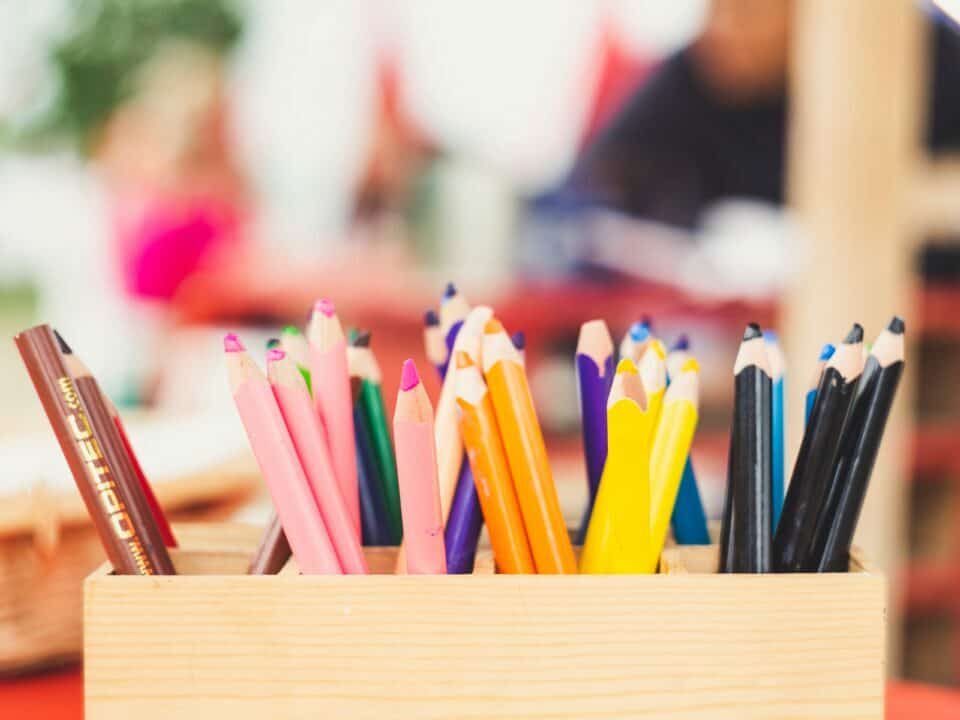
526 453
750 462
273 551
669 454
374 523
725 540
295 345
273 343
618 539
519 340
331 395
433 341
808 483
653 374
454 309
825 354
491 472
417 471
279 464
103 422
689 521
108 496
374 416
310 443
80 371
776 362
594 367
857 452
634 342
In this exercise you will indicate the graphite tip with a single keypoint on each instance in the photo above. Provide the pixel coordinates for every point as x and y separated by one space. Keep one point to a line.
855 335
752 332
64 347
896 325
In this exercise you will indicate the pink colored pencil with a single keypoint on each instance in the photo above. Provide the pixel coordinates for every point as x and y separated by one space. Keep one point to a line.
330 380
310 442
277 458
417 473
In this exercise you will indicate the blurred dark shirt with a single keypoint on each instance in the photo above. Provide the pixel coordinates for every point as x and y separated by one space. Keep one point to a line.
675 148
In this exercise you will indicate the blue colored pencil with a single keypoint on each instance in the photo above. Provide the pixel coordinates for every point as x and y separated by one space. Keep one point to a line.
777 425
689 521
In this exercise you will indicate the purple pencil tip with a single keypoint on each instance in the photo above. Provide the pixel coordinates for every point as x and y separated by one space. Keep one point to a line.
449 291
682 344
231 343
275 354
431 319
519 340
409 377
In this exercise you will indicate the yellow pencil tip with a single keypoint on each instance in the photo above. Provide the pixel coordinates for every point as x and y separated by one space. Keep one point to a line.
690 365
626 366
463 360
493 327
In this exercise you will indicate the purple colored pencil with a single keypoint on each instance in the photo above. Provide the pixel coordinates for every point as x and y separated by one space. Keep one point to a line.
465 522
594 377
462 533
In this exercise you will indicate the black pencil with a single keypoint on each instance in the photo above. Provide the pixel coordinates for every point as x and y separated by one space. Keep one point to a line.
834 394
857 453
751 458
726 520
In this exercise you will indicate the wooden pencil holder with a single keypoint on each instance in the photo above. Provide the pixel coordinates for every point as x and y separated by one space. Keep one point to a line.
213 643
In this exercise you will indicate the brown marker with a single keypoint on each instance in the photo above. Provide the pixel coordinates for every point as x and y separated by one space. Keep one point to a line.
273 552
88 440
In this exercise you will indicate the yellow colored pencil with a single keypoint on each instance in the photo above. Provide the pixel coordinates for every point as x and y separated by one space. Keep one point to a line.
618 537
671 445
653 374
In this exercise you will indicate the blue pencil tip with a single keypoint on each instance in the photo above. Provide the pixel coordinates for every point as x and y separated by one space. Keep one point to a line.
449 291
639 332
770 336
430 318
647 321
519 340
682 344
827 352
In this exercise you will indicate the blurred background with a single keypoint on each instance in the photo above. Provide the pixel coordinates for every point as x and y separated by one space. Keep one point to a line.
172 168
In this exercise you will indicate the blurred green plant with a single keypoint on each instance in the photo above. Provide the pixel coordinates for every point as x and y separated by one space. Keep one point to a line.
96 61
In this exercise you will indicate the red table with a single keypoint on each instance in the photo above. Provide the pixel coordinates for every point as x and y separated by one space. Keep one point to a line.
59 696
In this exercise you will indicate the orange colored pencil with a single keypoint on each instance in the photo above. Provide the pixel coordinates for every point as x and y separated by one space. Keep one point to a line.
526 453
491 473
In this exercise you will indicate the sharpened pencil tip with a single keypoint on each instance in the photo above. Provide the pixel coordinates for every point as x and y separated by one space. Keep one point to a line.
827 351
325 307
409 377
231 343
361 339
493 327
752 332
639 332
855 335
464 360
275 354
449 291
897 326
431 319
681 344
64 347
273 343
626 366
291 330
519 339
647 321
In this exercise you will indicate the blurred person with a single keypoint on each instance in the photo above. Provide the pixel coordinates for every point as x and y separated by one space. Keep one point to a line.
710 122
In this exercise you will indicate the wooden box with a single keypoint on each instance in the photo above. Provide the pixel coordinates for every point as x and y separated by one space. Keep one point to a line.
687 643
